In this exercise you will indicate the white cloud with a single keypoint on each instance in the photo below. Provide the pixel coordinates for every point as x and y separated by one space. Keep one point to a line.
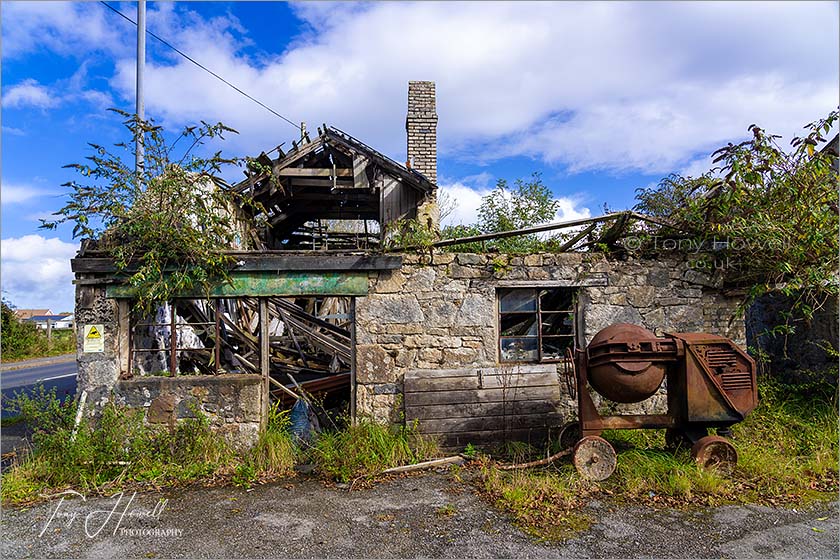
466 195
616 86
592 86
13 193
36 272
28 93
465 200
70 28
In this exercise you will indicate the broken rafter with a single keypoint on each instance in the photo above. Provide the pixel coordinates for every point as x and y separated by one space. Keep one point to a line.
526 231
626 216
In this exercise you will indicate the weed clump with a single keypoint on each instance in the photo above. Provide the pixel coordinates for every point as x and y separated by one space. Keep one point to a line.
118 449
367 448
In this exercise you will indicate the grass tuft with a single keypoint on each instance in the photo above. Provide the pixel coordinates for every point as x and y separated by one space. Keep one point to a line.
367 448
543 503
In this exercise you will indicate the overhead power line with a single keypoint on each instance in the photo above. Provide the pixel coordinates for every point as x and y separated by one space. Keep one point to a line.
257 101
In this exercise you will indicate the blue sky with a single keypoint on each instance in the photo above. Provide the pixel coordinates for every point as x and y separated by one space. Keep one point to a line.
601 98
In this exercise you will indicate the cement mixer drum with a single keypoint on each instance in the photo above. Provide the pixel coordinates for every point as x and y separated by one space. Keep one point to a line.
627 363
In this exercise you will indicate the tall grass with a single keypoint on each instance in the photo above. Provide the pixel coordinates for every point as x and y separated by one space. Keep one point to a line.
367 448
118 449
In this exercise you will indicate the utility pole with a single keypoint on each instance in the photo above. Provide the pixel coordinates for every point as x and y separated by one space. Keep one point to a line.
141 66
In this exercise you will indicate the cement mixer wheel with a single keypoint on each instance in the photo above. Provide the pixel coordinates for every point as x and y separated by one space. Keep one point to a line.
715 453
594 458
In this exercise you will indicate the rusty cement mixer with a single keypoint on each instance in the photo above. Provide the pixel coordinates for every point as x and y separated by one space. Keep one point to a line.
710 383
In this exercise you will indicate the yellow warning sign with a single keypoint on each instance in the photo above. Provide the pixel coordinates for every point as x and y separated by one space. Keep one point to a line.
94 338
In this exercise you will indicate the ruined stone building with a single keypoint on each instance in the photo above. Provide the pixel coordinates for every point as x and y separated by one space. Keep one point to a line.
469 345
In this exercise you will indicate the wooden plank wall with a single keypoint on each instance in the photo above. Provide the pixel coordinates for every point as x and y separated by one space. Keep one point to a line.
398 200
485 405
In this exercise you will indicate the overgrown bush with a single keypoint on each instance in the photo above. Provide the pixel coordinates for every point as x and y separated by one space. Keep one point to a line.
768 215
167 226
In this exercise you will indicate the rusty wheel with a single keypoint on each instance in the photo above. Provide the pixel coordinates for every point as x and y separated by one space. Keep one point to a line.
675 439
569 374
569 435
594 458
715 452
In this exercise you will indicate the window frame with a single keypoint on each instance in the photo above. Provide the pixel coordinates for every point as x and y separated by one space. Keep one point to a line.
538 312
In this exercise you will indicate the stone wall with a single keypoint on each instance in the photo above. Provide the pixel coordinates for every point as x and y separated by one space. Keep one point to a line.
813 346
232 403
98 371
439 311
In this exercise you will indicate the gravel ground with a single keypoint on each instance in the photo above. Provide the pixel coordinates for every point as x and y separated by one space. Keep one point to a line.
419 516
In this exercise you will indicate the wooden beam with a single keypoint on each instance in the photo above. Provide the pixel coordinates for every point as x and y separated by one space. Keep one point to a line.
265 359
324 182
258 261
529 230
309 172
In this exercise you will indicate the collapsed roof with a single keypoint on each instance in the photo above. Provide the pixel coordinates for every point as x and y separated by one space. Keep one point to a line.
309 196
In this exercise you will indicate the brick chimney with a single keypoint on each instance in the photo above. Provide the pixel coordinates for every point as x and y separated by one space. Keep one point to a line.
421 129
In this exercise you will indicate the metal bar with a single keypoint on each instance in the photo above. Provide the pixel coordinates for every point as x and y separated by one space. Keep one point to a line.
140 109
539 325
130 345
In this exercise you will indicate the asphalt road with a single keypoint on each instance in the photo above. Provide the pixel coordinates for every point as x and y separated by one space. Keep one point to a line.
61 375
426 516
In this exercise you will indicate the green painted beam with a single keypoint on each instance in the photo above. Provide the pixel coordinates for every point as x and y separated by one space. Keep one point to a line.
276 284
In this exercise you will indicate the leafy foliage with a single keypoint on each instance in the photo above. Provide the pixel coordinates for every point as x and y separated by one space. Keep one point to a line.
20 340
528 203
770 216
164 226
17 336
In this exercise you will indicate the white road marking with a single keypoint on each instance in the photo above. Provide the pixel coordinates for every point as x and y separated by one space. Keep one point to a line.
58 377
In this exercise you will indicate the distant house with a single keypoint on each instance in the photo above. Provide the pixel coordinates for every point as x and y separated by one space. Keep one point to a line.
57 321
24 314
